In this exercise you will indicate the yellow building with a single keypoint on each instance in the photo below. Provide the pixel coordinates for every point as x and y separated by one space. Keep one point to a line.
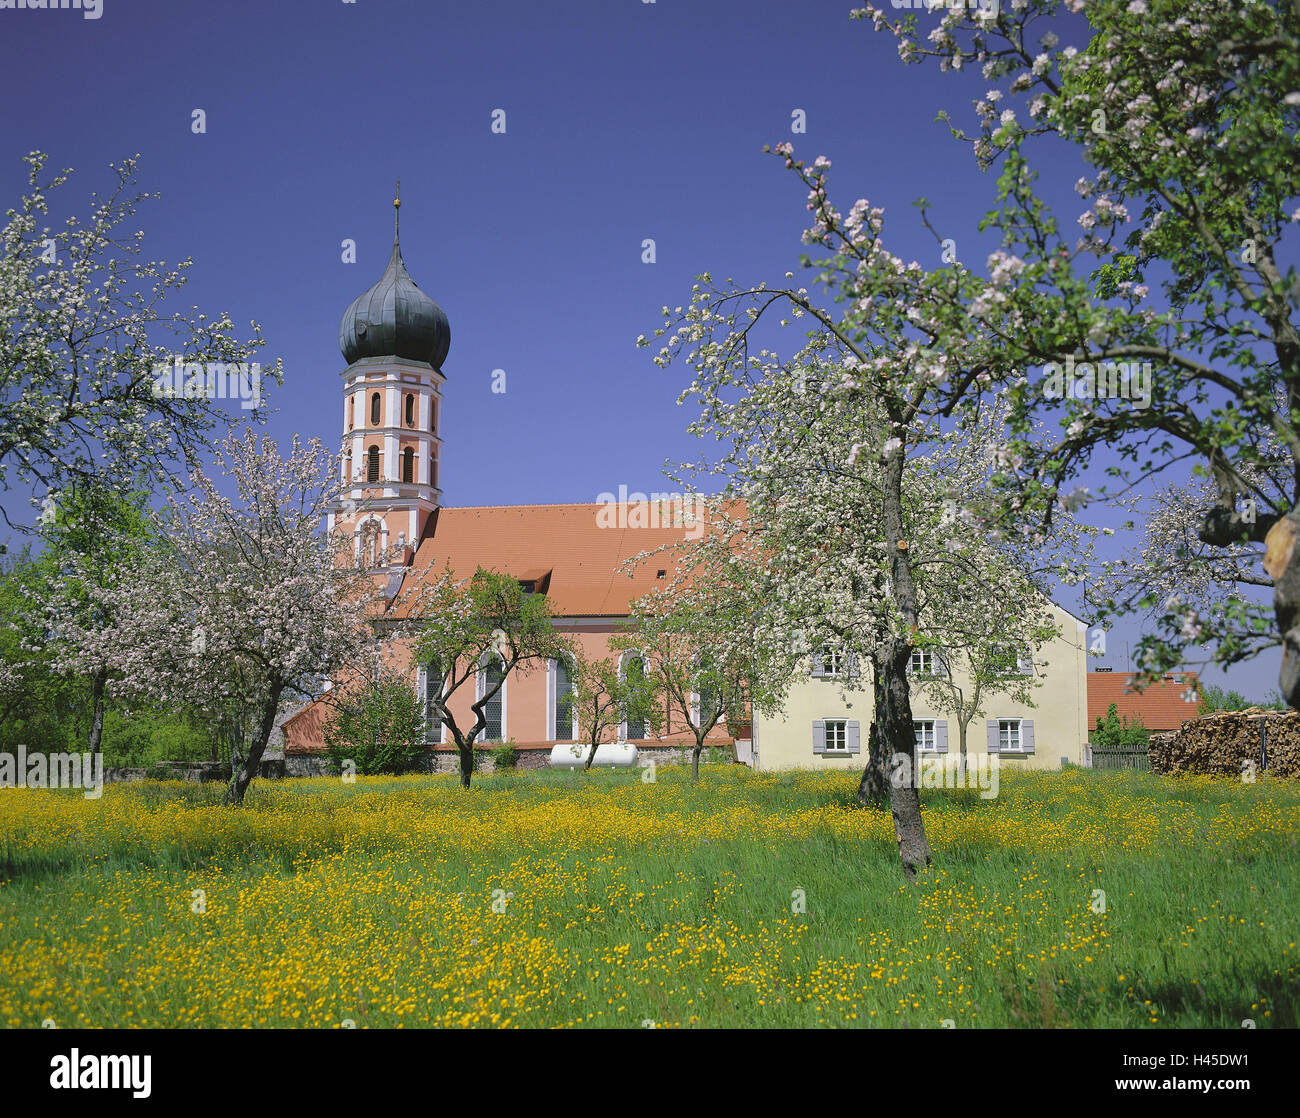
826 719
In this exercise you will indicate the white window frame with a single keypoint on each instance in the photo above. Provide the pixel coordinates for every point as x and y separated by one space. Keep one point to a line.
630 654
1024 660
920 727
837 659
843 735
552 696
480 690
1014 726
424 706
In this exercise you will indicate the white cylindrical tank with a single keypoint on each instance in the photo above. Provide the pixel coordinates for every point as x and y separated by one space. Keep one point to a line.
619 755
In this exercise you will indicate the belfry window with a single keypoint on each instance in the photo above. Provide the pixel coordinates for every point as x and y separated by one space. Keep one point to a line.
374 410
410 410
372 464
408 465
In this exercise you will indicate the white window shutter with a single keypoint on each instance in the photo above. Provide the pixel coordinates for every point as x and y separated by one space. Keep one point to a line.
818 661
853 672
853 738
941 736
819 737
1027 734
994 744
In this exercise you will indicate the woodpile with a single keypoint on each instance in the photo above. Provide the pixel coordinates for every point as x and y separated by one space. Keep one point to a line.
1219 743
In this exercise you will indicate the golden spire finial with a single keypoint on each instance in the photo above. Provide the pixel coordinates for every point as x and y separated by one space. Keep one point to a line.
397 209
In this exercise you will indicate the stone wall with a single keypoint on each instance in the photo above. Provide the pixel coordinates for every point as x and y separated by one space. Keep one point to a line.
198 772
316 764
306 764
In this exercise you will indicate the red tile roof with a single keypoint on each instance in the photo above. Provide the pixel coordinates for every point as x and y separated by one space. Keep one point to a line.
582 555
1161 706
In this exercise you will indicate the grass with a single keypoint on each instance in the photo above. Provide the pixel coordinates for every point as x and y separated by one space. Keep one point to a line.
567 899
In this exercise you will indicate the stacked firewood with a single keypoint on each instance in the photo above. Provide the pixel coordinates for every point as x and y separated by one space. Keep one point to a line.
1227 743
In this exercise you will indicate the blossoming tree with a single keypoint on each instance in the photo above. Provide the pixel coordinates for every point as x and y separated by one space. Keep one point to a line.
464 627
1186 112
92 532
605 697
862 545
242 604
78 347
697 639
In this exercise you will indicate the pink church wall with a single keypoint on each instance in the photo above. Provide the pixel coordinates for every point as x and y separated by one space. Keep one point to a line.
526 714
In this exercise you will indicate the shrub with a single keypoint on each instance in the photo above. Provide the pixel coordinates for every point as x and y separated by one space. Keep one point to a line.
1215 698
379 727
1115 732
505 755
719 755
143 737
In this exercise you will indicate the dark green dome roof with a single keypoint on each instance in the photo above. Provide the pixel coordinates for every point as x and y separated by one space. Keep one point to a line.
395 319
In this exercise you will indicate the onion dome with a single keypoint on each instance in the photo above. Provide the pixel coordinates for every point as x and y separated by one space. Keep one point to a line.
395 318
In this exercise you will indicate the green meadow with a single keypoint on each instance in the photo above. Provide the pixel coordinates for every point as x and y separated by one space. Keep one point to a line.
1073 900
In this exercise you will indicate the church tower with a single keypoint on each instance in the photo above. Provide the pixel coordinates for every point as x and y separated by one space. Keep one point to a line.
394 339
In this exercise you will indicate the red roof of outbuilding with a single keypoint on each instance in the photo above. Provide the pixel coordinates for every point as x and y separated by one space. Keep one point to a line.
1162 706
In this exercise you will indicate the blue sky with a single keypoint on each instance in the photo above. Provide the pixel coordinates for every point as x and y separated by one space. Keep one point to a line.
624 120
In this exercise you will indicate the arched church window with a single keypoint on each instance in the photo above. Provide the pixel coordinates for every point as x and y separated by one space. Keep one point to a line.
372 464
410 410
492 676
408 465
374 410
633 671
564 691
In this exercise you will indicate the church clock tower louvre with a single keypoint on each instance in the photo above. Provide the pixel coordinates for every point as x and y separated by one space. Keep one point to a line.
394 339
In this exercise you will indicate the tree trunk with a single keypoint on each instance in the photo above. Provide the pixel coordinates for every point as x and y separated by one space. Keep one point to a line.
873 788
962 724
241 775
893 714
97 712
1282 562
466 754
894 718
695 761
591 756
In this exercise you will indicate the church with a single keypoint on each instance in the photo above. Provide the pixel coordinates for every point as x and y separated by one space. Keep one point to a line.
395 339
